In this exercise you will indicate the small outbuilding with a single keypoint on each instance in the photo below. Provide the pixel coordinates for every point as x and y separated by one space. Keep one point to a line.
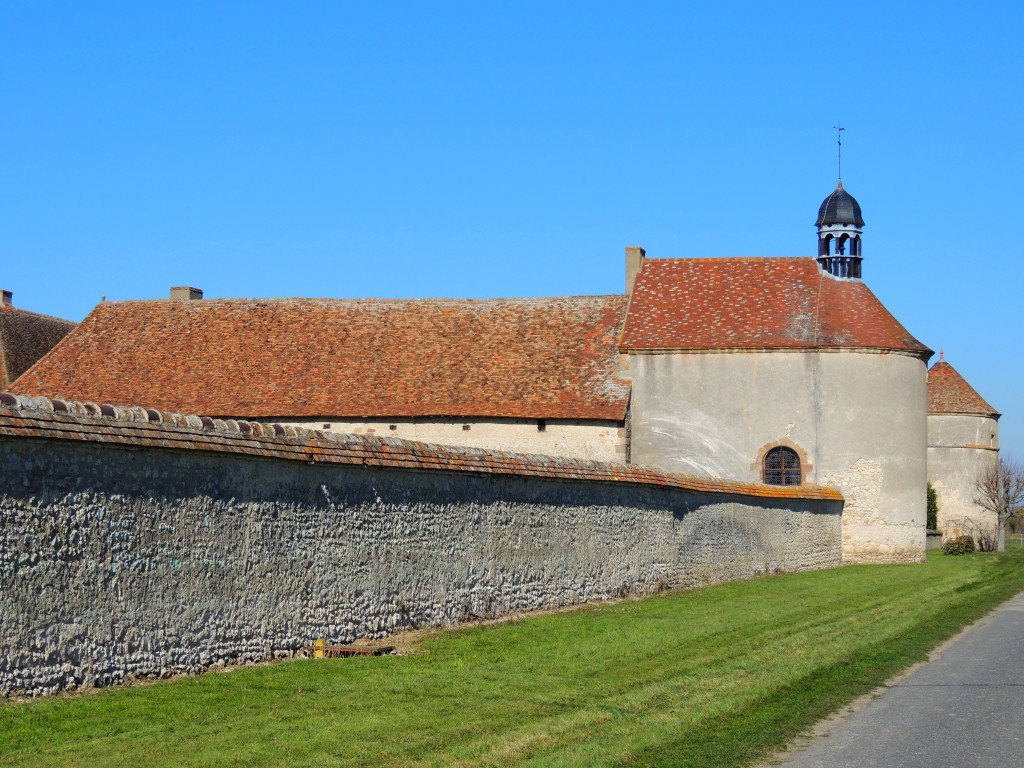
963 445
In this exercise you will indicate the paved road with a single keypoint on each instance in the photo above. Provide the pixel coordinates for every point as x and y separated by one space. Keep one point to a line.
963 709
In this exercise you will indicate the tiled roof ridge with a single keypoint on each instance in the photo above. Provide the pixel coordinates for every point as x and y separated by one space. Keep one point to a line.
730 258
49 418
949 392
767 260
363 300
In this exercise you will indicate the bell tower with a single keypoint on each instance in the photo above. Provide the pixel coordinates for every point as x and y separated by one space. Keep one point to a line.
839 234
839 226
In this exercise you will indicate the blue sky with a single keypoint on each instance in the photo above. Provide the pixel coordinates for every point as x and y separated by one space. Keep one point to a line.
477 149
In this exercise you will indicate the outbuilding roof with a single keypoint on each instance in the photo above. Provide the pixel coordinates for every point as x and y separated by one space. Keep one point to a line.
949 392
756 303
262 358
24 338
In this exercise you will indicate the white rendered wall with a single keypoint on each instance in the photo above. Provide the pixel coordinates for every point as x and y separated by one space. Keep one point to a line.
593 440
857 418
960 448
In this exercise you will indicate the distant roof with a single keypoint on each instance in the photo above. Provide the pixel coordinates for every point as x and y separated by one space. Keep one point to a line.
840 207
314 358
949 392
24 338
757 303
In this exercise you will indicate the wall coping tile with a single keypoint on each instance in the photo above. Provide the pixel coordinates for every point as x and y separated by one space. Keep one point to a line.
46 418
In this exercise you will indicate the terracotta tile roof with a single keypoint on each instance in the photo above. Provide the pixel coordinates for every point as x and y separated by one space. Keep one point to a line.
24 338
276 358
949 392
756 303
43 418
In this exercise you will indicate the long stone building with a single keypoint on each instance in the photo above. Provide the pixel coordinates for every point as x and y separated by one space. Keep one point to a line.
785 371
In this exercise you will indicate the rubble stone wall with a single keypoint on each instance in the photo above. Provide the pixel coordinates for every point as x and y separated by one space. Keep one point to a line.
120 561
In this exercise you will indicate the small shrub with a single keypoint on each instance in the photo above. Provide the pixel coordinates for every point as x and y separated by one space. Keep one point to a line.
988 540
933 509
958 545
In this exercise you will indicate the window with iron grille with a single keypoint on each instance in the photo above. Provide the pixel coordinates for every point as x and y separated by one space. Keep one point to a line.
782 467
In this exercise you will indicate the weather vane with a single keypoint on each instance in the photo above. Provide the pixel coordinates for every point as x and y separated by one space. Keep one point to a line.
839 140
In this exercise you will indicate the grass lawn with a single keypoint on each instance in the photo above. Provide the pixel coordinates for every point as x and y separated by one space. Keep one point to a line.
711 677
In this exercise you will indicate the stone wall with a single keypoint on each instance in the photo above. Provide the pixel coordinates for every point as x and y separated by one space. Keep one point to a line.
139 544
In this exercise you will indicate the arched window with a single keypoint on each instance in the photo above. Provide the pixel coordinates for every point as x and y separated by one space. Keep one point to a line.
782 467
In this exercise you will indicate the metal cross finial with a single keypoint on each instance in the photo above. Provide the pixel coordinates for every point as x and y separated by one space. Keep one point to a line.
839 140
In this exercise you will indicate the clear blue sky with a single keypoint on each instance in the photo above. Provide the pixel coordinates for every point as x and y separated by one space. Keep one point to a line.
440 149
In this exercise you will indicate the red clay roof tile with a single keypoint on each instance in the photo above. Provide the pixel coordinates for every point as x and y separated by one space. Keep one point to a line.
312 358
24 338
756 303
949 392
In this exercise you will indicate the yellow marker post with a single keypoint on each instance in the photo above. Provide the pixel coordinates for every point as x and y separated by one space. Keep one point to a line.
318 648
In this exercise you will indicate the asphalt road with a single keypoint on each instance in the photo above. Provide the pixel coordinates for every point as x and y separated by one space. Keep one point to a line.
962 709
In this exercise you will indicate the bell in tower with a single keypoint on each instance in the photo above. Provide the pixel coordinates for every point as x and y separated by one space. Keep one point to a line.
839 234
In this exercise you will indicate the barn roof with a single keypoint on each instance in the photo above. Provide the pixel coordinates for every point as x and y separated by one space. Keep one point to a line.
261 358
24 338
949 392
757 303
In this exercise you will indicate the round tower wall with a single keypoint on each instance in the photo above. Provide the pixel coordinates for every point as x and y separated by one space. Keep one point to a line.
873 447
961 448
857 418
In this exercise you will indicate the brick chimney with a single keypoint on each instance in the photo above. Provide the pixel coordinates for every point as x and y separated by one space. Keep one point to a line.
634 263
184 292
8 298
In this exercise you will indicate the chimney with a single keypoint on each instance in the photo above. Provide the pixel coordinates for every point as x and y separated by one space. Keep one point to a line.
184 292
8 298
634 263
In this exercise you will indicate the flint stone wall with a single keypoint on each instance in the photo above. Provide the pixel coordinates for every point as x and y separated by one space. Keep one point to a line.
125 562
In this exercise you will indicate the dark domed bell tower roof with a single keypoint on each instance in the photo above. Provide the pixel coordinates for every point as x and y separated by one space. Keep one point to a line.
840 208
839 232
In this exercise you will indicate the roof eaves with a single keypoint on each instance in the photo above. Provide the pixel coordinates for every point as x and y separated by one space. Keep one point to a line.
922 352
990 414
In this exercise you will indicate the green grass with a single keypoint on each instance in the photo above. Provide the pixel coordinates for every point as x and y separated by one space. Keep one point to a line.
712 677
